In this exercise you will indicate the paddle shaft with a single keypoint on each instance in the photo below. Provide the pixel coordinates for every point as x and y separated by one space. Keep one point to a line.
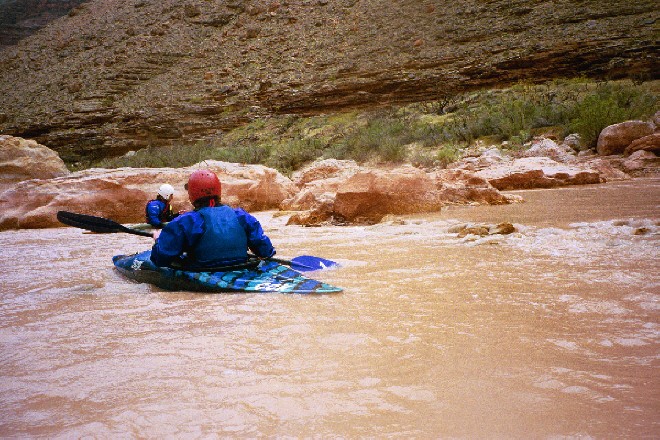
286 262
291 263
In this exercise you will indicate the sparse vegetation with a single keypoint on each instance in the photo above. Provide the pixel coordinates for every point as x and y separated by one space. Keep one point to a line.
425 134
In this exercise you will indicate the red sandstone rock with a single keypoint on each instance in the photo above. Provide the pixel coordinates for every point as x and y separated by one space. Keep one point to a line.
537 172
320 214
121 194
642 163
609 168
647 143
549 148
462 187
324 169
326 192
369 195
318 184
23 159
615 138
366 195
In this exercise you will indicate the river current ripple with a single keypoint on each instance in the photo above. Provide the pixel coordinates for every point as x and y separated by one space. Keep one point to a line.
549 332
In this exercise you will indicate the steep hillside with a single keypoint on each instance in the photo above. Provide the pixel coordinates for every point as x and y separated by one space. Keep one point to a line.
20 18
118 75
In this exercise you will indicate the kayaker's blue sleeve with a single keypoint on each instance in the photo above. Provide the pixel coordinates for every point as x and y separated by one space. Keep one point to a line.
258 242
182 233
177 237
153 210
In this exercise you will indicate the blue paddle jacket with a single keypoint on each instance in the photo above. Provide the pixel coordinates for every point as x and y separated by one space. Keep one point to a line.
211 237
158 213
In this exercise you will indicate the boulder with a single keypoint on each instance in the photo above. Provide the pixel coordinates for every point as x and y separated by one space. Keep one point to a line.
609 168
574 142
369 195
647 143
482 230
461 187
121 194
504 228
353 194
318 184
253 187
616 138
487 158
537 172
24 159
318 215
548 148
642 163
324 169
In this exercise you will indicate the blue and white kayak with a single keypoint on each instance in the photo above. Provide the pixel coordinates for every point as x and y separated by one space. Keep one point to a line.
268 276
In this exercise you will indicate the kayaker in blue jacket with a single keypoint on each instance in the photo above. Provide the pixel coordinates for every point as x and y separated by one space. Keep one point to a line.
213 235
159 211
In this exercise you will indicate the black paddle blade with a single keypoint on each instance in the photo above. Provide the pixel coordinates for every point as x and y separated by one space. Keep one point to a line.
96 224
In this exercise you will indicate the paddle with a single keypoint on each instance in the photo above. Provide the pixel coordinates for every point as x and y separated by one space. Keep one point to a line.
96 224
303 263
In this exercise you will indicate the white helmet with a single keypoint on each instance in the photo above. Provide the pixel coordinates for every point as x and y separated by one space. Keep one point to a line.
166 190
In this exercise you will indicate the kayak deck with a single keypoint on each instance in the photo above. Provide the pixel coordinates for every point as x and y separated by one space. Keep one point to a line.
268 277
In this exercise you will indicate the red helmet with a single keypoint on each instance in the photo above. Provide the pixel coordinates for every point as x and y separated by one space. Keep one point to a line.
203 183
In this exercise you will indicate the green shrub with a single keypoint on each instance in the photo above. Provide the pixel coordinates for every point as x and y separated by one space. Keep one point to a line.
443 156
250 153
289 156
575 105
174 156
380 138
427 134
448 154
609 104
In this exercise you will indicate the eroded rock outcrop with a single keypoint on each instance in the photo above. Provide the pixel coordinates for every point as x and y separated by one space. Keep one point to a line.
121 194
617 137
325 192
537 172
563 152
344 192
649 143
369 195
23 159
117 76
641 163
460 187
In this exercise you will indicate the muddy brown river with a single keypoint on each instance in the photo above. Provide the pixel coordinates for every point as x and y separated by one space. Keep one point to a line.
550 332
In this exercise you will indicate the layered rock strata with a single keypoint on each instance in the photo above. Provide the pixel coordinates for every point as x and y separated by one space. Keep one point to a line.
114 76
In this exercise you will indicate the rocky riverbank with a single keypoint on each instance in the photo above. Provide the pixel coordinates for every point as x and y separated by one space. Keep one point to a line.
35 183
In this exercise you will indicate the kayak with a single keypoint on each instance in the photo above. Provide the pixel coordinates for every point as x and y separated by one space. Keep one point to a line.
266 277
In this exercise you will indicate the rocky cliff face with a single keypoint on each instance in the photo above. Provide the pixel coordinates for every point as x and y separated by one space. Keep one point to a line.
117 75
21 18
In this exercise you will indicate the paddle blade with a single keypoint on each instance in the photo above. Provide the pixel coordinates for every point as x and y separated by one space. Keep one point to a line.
96 224
305 263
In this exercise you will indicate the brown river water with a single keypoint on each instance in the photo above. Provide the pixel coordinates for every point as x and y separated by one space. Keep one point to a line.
550 332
